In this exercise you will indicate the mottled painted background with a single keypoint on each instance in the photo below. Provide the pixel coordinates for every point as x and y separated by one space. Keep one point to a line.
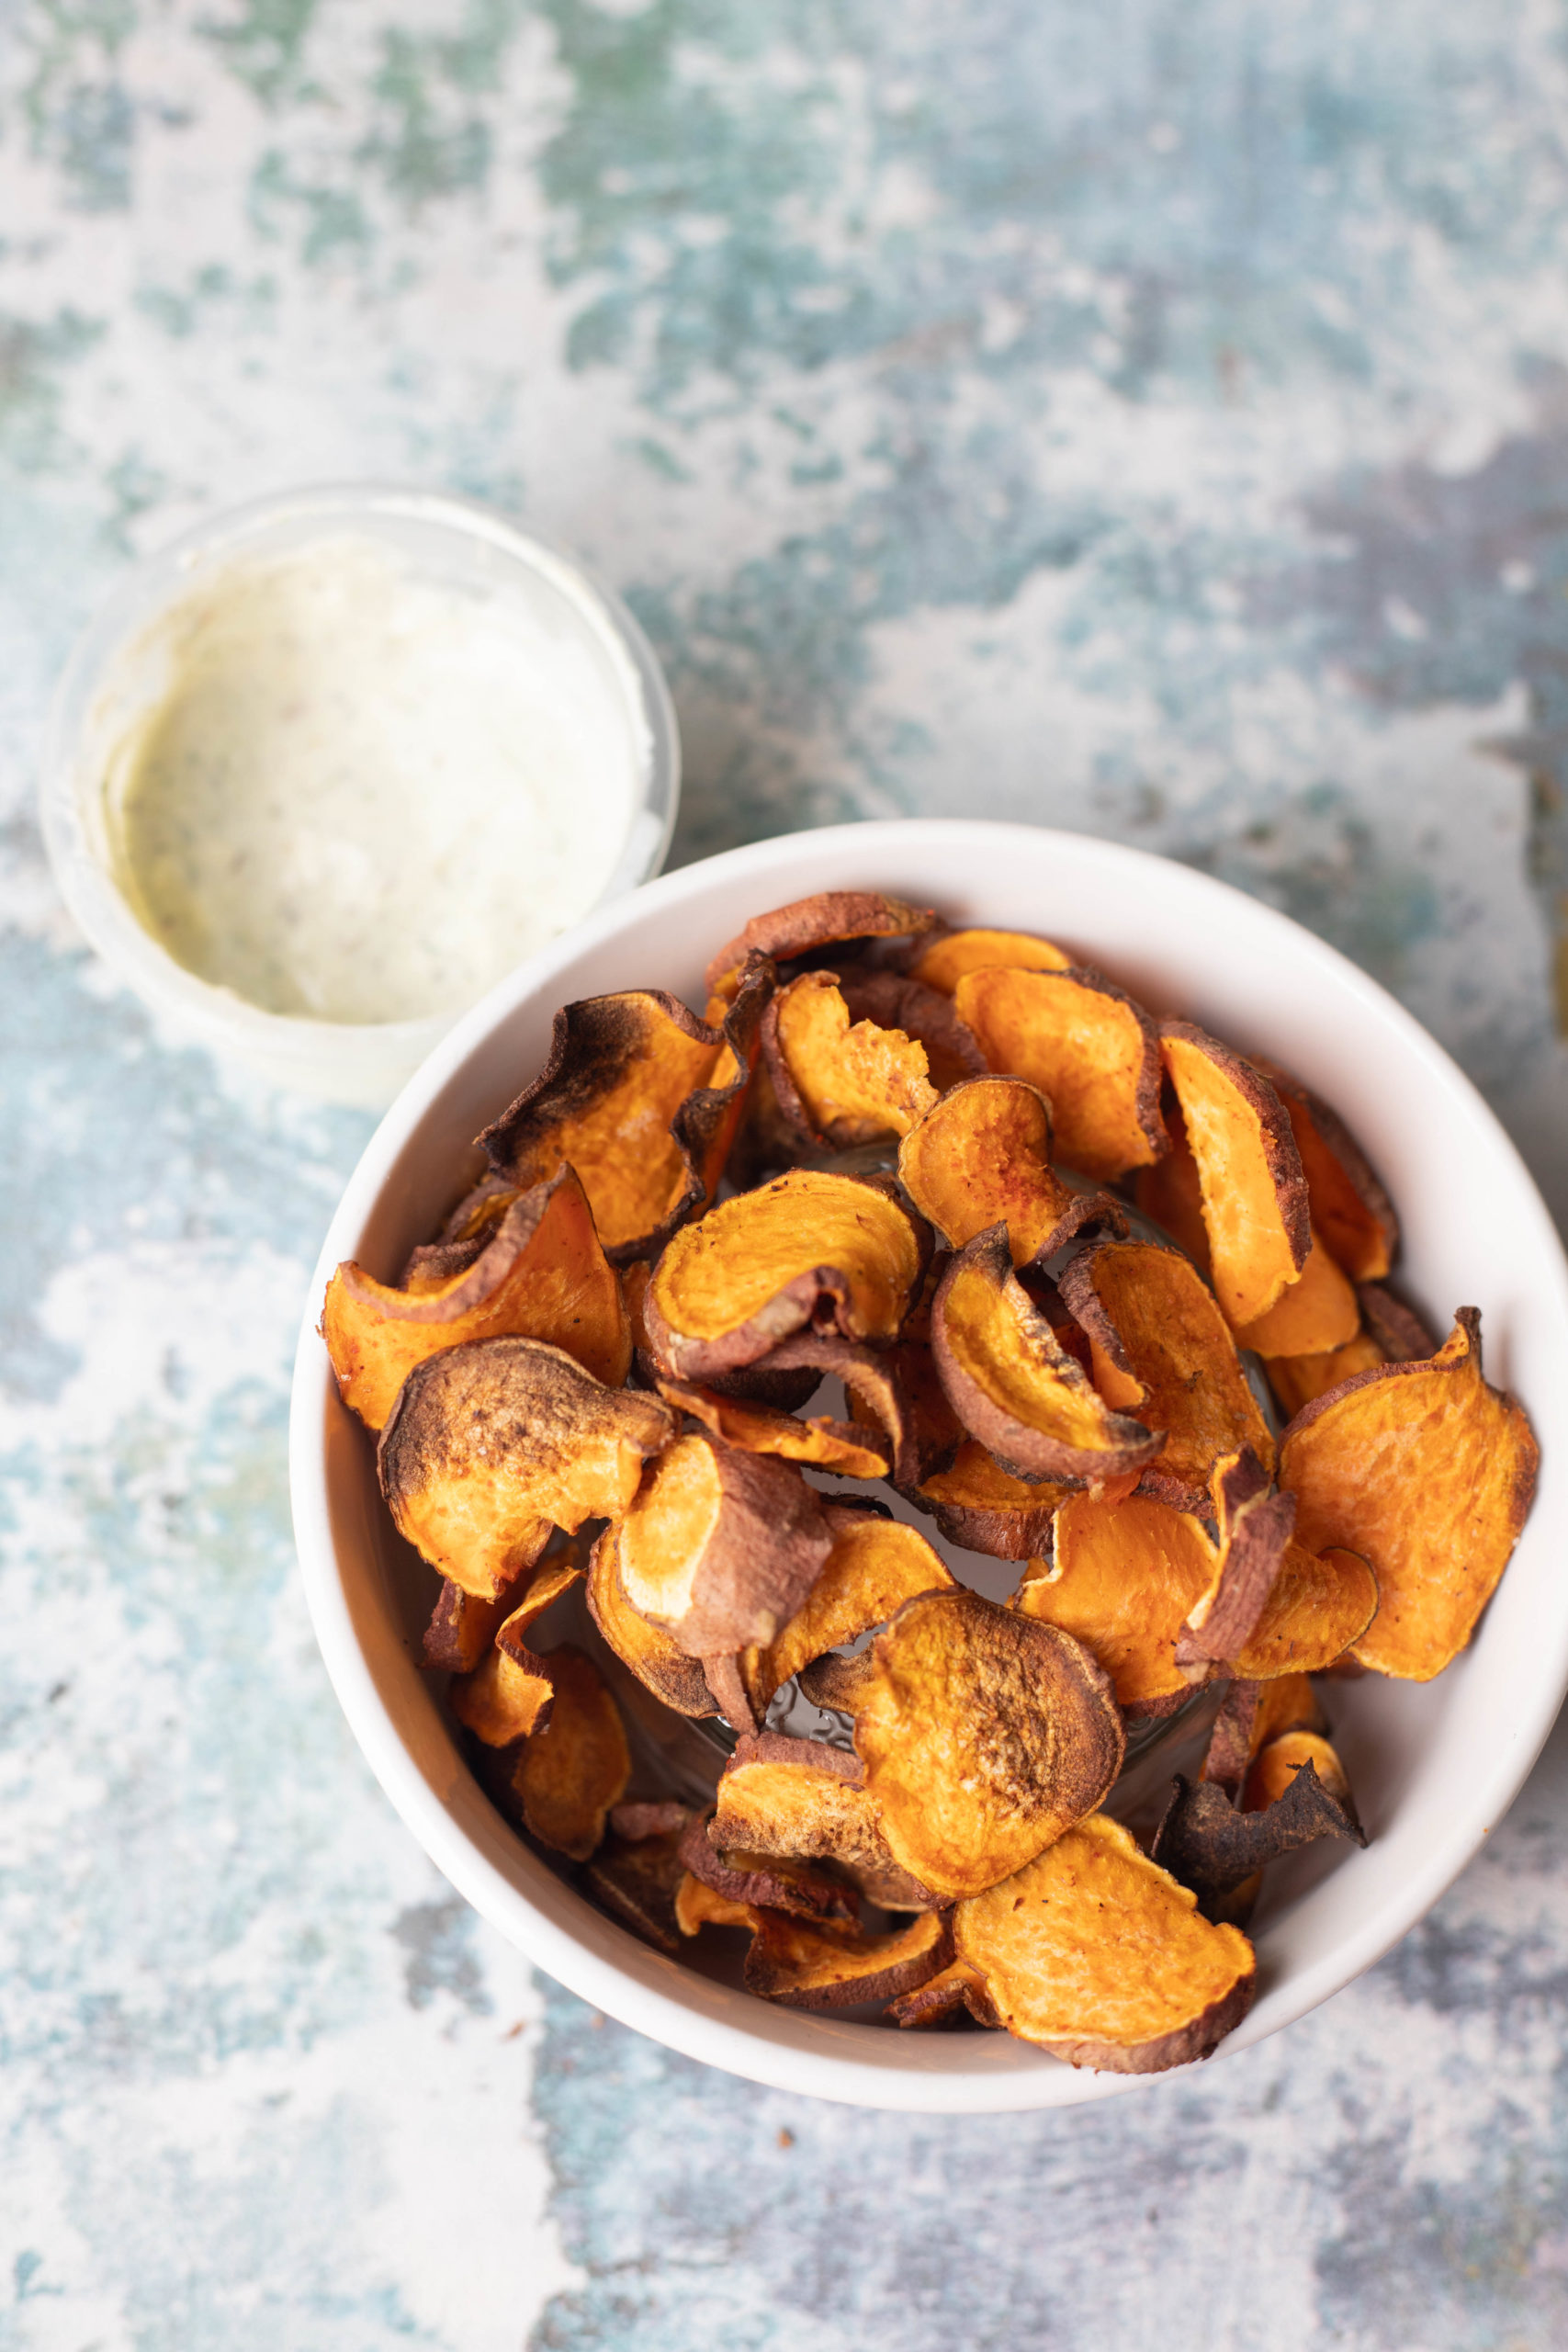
1150 417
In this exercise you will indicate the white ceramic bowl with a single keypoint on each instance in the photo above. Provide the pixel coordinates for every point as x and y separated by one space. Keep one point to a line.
1434 1766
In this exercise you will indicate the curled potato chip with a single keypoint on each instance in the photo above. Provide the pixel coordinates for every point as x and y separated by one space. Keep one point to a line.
984 1735
1255 1533
643 1100
822 921
800 1798
1090 1050
1296 1380
491 1445
982 1156
839 1084
875 1566
1319 1606
461 1629
906 1417
1429 1474
1161 1350
509 1693
635 1875
924 1014
1316 1312
1255 1196
1214 1850
1350 1206
811 1250
943 958
837 1681
809 1967
771 1879
1171 1191
1098 1955
466 1233
698 1907
650 1653
1251 1713
1014 1387
983 1508
957 1987
1397 1329
1124 1577
721 1547
846 1448
542 1275
571 1771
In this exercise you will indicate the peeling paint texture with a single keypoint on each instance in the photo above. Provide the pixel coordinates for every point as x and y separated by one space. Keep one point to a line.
1150 418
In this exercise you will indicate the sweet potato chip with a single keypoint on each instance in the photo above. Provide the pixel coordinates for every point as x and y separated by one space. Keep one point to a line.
839 1084
1429 1474
953 1051
461 1629
1014 1387
542 1276
846 1448
984 1735
943 959
1171 1191
982 1156
1316 1312
643 1100
698 1907
821 920
1255 1533
837 1681
1280 1759
1251 1715
771 1879
466 1233
1124 1577
650 1653
571 1771
491 1445
875 1566
1089 1050
1320 1606
1255 1196
1161 1351
1350 1206
635 1878
1214 1850
721 1547
979 1505
1296 1380
509 1693
954 1989
1096 1953
820 1968
800 1798
1397 1329
811 1250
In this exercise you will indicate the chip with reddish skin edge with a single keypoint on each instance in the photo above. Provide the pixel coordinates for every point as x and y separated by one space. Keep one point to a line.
1316 1312
721 1547
542 1275
1296 1380
1124 1577
1397 1329
471 1225
982 1156
941 959
1249 1714
643 1100
953 1051
1171 1192
984 1735
1096 1953
799 1798
907 1418
509 1693
1160 1349
1214 1850
1012 1384
838 1083
809 1967
771 1879
576 1767
1429 1474
646 1649
1350 1206
698 1907
846 1448
956 1990
821 920
637 1817
461 1629
1255 1533
875 1566
835 1254
1320 1605
1090 1050
836 1681
635 1878
1255 1196
492 1445
979 1505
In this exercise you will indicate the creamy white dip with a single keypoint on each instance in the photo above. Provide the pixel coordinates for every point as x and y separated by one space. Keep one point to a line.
362 794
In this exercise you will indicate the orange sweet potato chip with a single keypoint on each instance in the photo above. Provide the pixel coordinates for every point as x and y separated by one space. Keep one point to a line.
1320 1606
643 1100
1255 1196
1096 1953
1161 1351
1280 1759
1251 1713
1350 1206
810 1251
837 1681
800 1798
542 1275
978 1504
807 1967
466 1233
1012 1384
509 1693
1255 1533
636 1877
1171 1191
698 1907
822 921
804 1890
1124 1575
461 1629
721 1547
1215 1850
492 1444
1296 1380
848 1449
650 1653
1316 1312
1088 1048
953 1051
984 1735
943 957
875 1566
838 1083
982 1156
572 1771
1429 1474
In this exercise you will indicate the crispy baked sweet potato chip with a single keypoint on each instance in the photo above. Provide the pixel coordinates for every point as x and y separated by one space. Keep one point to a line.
698 1907
1251 1713
848 1449
1255 1196
491 1445
984 1735
798 1797
575 1768
721 1547
635 1877
941 960
1089 1050
1320 1605
822 921
650 1653
1350 1206
838 1083
1161 1351
461 1629
1255 1532
466 1233
1397 1329
1214 1850
542 1276
1012 1384
1316 1312
953 1051
1171 1191
1296 1380
811 1250
838 1681
1280 1759
982 1156
1096 1953
1124 1575
875 1566
978 1504
1429 1474
807 1967
508 1695
771 1879
643 1100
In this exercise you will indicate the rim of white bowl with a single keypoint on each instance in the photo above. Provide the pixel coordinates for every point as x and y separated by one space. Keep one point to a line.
763 2049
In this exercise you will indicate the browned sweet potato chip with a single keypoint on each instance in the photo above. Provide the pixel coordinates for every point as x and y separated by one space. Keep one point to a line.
1090 1050
1316 1312
1280 1759
982 1156
984 1735
1349 1207
571 1771
830 1252
1319 1606
1296 1380
771 1879
1098 1955
953 1051
636 1877
1397 1329
798 1797
509 1693
461 1629
491 1445
953 1990
1251 1713
821 920
1124 1578
810 1967
875 1566
542 1276
1171 1191
1255 1196
1014 1387
721 1547
834 1681
1429 1474
466 1233
848 1449
943 961
650 1653
1161 1351
698 1907
642 1099
840 1084
1255 1533
1214 1850
978 1504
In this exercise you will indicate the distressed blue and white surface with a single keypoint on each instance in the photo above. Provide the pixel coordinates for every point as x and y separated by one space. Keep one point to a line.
1150 417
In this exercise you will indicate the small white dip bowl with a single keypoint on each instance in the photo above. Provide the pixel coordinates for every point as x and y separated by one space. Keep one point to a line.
1434 1766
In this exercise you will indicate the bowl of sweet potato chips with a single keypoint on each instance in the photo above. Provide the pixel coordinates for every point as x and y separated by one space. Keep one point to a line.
926 1462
